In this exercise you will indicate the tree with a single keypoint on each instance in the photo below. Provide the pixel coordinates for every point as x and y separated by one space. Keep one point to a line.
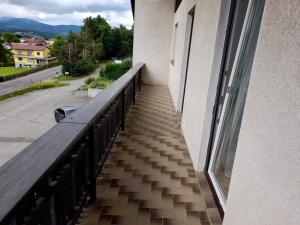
5 55
9 37
76 54
123 41
57 47
97 40
101 33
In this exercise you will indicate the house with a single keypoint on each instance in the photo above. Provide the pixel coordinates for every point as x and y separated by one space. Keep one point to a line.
7 46
34 41
28 55
203 129
232 68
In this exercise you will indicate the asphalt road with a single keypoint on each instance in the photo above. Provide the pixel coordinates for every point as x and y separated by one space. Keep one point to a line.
23 82
25 118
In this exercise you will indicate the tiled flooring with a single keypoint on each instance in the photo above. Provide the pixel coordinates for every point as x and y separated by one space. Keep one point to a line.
148 178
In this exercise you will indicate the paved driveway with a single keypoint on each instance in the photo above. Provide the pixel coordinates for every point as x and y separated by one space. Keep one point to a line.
27 117
22 82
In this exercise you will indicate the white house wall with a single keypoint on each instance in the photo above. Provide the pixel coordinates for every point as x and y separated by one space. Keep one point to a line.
152 38
200 65
265 184
176 69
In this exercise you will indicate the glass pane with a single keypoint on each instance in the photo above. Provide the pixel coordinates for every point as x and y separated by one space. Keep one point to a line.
236 96
229 134
237 26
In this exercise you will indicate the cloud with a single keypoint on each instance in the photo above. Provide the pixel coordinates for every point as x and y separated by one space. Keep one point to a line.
69 6
68 11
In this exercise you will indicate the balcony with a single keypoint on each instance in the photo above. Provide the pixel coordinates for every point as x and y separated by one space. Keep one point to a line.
121 159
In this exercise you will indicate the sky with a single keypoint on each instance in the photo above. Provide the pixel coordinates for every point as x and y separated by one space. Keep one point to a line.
57 12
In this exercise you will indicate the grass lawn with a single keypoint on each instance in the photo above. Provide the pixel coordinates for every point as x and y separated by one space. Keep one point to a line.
37 86
8 71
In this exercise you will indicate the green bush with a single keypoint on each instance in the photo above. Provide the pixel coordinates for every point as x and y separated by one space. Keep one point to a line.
100 83
89 80
78 68
113 71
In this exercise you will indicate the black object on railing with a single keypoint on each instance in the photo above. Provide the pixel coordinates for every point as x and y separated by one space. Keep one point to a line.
50 181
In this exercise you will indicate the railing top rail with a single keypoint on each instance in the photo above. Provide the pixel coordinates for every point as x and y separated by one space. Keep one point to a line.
19 175
88 112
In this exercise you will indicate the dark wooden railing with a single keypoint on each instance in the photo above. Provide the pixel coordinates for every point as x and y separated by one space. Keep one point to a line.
50 181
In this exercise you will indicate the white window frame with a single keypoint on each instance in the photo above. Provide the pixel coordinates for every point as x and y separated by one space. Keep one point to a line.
221 196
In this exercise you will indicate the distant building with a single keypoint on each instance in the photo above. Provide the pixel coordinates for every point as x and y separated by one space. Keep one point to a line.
7 46
34 41
49 42
28 55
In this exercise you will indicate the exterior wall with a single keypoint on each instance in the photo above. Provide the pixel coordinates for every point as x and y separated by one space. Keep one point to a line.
179 48
211 75
29 60
152 38
43 54
198 78
265 184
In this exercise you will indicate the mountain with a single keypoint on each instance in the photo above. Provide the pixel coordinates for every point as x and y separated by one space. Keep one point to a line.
32 27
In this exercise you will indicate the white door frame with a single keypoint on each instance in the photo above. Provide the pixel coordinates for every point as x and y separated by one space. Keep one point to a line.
186 55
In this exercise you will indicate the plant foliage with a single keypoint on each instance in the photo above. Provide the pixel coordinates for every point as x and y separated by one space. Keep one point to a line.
96 41
113 71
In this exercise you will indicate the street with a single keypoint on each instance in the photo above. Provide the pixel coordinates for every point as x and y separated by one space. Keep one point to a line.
27 117
25 81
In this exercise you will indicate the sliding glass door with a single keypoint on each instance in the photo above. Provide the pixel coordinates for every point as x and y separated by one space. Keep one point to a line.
230 109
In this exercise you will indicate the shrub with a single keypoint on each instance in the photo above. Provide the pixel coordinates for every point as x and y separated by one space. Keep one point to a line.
89 80
100 83
113 71
78 68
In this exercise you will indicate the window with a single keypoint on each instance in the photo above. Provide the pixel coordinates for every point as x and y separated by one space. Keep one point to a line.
19 52
235 92
29 53
38 53
20 58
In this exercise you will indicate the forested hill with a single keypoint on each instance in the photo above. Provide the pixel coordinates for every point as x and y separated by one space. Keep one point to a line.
10 24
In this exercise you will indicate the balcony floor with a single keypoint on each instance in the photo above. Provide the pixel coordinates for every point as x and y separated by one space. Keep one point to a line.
148 178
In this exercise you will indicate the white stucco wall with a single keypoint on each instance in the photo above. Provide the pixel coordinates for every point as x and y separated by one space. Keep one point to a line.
198 78
265 184
175 74
152 38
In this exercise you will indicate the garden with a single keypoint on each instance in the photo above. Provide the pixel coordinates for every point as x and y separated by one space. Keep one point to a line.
111 72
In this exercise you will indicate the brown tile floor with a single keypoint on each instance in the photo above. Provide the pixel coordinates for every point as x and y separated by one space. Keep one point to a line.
149 178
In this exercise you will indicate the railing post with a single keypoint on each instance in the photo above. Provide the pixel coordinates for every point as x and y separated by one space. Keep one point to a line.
133 91
140 77
123 110
92 165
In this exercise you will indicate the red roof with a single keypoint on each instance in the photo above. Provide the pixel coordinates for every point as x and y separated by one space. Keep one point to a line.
20 46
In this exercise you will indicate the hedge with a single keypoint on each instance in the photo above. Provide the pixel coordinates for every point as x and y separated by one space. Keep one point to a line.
113 71
78 68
